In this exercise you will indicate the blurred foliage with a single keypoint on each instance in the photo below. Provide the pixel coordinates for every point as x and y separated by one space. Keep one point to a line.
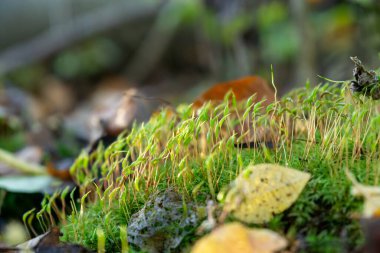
92 57
227 39
28 77
278 34
11 136
225 32
13 142
277 50
271 14
336 28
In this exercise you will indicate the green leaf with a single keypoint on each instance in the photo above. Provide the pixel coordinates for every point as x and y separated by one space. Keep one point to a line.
25 184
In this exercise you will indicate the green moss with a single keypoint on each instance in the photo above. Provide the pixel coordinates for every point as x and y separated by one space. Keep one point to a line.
82 228
315 130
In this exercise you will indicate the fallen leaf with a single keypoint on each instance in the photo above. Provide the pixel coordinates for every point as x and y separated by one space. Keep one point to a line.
50 238
85 120
61 173
263 190
48 242
371 196
29 184
242 89
236 238
133 107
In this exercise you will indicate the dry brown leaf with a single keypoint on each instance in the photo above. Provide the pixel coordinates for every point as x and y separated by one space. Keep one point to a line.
48 242
242 89
134 106
50 238
63 174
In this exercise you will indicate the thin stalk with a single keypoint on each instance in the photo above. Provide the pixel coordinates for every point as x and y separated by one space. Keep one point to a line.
21 166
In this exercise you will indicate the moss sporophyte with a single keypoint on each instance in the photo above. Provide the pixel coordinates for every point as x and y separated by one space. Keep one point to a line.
197 154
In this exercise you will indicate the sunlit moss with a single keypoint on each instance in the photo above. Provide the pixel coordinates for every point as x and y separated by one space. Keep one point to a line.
321 131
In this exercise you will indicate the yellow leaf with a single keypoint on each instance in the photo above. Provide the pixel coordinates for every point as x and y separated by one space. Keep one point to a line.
371 196
263 190
236 238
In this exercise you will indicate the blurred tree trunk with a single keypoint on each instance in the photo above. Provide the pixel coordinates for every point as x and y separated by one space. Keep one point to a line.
305 60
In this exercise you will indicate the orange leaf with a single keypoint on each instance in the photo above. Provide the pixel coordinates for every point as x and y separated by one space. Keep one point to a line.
242 89
235 238
64 174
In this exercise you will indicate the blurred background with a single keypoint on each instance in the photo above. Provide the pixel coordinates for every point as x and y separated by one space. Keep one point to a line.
65 64
182 44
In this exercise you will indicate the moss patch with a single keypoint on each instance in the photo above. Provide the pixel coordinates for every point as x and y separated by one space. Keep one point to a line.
321 131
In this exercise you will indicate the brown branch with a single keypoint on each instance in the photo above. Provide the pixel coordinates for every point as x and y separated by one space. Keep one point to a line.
53 40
